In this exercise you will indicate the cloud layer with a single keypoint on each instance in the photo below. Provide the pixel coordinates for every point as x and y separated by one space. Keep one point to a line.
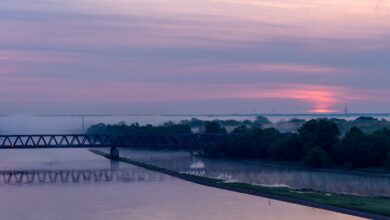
194 56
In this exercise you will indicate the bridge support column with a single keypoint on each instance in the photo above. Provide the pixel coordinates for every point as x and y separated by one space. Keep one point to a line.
114 153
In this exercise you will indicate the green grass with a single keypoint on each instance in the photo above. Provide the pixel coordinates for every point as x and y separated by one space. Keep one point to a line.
374 205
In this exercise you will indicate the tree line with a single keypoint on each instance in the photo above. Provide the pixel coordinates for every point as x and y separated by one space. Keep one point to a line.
135 128
365 123
318 144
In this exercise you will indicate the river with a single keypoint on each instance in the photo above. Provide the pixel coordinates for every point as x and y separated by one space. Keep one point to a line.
123 191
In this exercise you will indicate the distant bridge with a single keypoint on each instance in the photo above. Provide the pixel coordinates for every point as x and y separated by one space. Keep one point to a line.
178 141
104 141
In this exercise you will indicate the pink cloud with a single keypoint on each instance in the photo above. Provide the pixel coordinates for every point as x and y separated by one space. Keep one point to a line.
29 56
221 23
322 99
265 68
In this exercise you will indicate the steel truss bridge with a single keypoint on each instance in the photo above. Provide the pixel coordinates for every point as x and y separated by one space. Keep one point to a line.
104 141
20 177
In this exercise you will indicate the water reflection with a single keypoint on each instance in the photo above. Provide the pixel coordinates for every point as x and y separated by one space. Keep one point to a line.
17 177
135 193
266 175
197 165
329 182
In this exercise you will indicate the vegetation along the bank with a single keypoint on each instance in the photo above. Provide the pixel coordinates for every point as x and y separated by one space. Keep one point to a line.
317 143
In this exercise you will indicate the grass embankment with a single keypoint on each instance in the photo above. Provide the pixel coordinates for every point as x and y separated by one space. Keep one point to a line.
367 207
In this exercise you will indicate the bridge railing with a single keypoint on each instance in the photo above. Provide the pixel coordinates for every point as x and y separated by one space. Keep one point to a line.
96 141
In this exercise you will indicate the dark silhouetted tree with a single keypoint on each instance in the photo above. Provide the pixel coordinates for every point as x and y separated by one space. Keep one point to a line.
361 150
287 148
319 133
214 128
317 157
261 122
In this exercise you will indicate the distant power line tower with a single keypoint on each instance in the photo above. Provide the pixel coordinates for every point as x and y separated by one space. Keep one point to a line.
346 113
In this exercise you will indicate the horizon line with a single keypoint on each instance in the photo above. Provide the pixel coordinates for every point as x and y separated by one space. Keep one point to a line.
207 114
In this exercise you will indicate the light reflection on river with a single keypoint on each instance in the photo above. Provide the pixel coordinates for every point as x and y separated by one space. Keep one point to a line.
141 194
267 175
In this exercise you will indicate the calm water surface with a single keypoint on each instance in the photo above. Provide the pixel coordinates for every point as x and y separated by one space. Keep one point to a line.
266 175
96 188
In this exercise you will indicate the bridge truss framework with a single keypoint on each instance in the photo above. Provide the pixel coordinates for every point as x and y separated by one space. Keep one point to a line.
104 141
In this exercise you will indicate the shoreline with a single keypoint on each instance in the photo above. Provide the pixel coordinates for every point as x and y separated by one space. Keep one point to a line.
248 189
377 172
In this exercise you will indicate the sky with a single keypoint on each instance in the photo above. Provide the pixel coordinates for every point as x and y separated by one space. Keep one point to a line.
194 57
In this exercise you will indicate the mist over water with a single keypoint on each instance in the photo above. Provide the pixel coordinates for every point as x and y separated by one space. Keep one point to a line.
33 124
266 174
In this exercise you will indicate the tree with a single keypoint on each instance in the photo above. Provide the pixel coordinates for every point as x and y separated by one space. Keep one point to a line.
214 128
261 121
387 163
241 130
123 129
264 139
351 150
287 148
320 133
317 157
361 150
366 119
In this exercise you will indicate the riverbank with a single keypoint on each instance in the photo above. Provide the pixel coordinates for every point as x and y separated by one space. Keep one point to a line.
377 171
367 207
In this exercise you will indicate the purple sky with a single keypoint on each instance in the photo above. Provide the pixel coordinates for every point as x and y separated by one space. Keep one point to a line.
204 56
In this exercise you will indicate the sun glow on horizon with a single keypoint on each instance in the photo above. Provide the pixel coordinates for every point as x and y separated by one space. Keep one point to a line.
323 111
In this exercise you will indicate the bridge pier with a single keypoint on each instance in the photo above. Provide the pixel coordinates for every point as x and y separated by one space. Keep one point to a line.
114 153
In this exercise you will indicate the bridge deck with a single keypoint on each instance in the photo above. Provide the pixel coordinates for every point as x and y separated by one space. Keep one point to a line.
103 141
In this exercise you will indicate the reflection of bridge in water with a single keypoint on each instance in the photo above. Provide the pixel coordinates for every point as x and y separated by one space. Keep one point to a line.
14 177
